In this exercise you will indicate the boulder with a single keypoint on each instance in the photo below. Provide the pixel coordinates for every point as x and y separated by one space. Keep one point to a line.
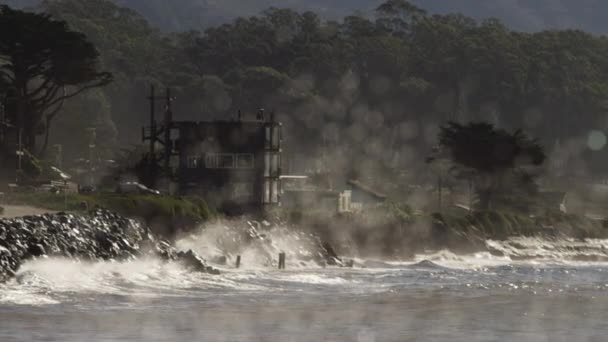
193 261
103 235
36 250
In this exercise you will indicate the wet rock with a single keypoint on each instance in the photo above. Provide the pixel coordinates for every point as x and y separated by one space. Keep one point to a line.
330 255
193 261
36 250
102 235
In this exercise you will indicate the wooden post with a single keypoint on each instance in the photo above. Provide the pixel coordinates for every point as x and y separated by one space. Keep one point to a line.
282 261
238 261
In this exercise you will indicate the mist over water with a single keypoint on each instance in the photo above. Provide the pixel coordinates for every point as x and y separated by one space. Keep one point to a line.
538 290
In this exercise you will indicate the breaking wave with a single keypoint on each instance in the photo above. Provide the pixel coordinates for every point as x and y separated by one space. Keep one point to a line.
551 250
258 244
511 265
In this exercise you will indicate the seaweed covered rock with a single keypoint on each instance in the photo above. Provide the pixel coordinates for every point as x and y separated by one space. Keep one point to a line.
103 235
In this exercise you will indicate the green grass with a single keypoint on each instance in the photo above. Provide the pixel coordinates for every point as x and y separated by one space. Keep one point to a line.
146 207
497 224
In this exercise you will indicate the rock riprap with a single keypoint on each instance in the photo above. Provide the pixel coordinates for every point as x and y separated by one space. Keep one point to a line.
101 235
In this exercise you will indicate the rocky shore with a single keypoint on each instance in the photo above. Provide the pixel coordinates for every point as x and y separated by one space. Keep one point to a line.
100 236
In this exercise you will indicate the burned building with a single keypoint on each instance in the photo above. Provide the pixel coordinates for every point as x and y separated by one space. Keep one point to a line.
233 164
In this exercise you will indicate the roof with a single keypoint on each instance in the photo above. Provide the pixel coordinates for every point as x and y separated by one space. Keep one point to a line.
60 173
366 188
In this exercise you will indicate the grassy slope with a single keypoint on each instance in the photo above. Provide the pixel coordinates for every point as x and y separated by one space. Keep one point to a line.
165 213
393 230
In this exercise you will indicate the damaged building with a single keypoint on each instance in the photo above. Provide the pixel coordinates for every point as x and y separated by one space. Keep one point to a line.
234 164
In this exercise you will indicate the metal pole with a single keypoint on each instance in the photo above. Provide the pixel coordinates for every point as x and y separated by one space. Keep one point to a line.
92 154
471 195
2 122
152 135
439 194
19 154
167 128
65 194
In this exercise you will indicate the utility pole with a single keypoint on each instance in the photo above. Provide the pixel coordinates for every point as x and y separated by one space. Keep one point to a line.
439 192
20 154
152 135
92 154
59 155
3 123
159 134
167 128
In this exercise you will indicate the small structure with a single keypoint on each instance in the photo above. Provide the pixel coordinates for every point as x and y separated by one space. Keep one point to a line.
311 199
352 195
363 195
298 192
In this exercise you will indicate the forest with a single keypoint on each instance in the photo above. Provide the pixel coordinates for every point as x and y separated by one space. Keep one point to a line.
530 15
368 94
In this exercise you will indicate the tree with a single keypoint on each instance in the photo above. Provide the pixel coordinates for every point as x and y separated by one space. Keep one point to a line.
378 87
42 64
397 15
504 163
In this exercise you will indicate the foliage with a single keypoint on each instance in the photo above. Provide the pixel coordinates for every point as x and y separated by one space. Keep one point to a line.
502 163
521 15
146 207
485 149
364 92
42 63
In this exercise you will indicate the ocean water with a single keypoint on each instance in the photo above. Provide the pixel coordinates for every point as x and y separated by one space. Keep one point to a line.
536 291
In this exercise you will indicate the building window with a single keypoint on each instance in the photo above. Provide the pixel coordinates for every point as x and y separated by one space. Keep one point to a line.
229 161
225 161
211 161
245 161
192 162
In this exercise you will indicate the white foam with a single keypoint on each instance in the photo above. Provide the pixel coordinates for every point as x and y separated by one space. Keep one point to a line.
20 295
559 251
257 245
315 279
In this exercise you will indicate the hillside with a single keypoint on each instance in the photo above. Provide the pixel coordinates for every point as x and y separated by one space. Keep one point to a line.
528 15
372 94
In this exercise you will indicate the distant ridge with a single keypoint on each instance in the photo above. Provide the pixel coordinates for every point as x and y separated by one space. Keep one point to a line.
526 15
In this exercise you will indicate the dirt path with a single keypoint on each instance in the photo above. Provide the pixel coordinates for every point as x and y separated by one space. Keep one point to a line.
11 211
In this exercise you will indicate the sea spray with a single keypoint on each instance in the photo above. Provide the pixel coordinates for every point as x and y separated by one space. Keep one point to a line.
551 249
102 235
258 244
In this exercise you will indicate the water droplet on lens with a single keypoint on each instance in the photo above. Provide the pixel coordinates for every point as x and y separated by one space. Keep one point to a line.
596 140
